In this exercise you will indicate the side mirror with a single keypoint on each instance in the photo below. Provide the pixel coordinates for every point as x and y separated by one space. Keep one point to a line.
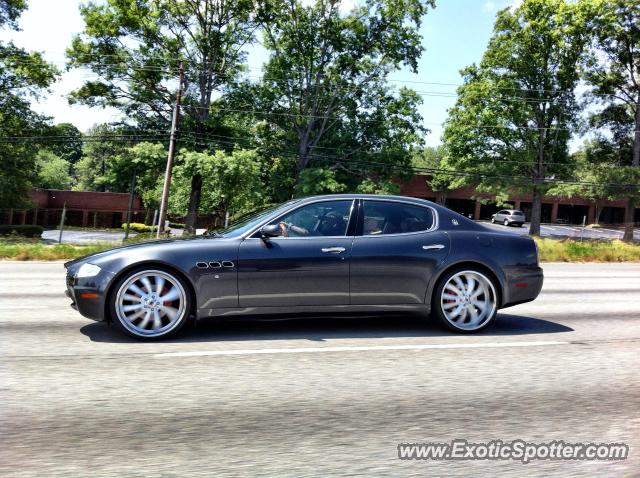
270 230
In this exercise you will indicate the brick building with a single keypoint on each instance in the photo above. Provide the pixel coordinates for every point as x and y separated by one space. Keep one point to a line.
96 209
83 208
554 209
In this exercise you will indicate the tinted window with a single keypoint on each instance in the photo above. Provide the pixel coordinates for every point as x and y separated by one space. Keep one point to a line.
252 219
382 217
517 213
327 218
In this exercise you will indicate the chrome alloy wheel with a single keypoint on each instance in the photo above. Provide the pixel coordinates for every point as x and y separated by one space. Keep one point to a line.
151 303
468 300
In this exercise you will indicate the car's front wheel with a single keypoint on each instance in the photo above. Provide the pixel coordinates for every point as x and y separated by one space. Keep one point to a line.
465 300
150 303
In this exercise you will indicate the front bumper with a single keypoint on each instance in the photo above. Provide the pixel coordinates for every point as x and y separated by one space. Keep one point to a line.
523 284
88 294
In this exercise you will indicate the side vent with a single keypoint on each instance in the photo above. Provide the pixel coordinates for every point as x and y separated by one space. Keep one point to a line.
202 265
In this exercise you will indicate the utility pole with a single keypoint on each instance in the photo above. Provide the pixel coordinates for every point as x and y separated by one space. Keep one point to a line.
172 153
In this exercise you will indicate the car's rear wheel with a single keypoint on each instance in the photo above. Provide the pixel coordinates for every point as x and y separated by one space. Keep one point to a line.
150 303
465 300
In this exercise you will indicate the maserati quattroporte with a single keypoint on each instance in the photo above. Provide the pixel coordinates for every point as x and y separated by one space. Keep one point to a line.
321 255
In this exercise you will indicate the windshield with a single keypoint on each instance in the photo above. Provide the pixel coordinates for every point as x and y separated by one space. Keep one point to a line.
250 220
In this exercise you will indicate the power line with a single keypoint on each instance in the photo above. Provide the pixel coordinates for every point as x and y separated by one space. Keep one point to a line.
363 163
169 69
160 135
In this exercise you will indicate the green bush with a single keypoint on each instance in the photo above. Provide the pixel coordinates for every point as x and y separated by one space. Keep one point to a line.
176 225
139 227
24 231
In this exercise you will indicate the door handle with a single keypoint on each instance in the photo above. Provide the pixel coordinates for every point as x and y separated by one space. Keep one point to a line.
335 250
433 246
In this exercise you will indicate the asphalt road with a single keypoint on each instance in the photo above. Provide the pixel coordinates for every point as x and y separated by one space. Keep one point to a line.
84 237
317 397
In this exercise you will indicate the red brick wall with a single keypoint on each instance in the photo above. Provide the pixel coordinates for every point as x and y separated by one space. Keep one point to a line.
94 201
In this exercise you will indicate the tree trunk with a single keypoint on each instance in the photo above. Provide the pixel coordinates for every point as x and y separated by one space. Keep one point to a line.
536 213
628 221
302 161
635 162
194 204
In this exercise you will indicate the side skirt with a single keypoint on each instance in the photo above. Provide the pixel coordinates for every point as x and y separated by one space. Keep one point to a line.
315 309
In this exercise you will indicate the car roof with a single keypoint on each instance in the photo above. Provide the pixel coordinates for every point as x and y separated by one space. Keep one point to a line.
368 196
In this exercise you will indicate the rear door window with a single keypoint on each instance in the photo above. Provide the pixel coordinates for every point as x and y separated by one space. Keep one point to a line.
389 217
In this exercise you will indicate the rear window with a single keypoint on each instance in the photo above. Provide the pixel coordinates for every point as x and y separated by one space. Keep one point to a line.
517 213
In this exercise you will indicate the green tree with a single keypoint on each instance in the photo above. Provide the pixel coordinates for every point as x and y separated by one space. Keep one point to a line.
147 161
433 161
103 143
231 181
600 181
509 129
53 171
325 89
66 142
23 76
136 47
612 70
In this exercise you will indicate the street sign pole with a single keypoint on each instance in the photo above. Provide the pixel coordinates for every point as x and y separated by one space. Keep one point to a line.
130 207
64 213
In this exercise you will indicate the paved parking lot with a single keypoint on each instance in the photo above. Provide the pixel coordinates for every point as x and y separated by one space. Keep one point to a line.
317 397
564 231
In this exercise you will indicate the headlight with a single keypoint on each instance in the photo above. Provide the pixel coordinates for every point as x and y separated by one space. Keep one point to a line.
88 270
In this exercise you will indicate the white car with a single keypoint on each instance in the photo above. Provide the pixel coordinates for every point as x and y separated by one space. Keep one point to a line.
509 217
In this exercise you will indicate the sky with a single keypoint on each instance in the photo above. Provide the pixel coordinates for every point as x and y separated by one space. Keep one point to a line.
455 35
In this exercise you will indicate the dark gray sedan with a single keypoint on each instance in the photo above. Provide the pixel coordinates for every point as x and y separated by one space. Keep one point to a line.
323 254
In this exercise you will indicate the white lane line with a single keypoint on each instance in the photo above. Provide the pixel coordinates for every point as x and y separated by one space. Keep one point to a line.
28 307
303 350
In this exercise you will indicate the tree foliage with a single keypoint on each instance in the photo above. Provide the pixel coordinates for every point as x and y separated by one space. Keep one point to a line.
54 172
325 90
23 75
231 181
136 48
612 70
509 129
66 142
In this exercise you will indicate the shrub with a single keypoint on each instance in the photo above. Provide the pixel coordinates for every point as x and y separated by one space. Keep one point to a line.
24 231
139 227
176 225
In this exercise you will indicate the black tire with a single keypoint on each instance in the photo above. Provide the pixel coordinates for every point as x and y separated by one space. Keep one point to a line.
506 222
438 312
173 327
493 220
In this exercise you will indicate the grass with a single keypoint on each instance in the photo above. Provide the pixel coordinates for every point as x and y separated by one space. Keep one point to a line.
44 252
551 250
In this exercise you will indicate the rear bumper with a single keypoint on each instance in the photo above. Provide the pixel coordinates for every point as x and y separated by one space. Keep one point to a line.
523 284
